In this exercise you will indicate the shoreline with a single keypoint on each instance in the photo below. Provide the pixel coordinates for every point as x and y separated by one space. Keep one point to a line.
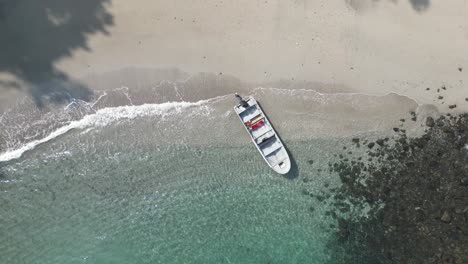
325 112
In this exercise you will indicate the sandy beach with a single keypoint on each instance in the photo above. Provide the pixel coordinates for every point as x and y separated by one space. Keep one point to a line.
368 46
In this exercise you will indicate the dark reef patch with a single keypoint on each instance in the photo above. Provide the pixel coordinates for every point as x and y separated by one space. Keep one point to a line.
407 202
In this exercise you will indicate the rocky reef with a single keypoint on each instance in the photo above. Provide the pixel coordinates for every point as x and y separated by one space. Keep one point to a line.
406 201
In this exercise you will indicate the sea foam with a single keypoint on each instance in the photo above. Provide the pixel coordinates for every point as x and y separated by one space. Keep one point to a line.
106 116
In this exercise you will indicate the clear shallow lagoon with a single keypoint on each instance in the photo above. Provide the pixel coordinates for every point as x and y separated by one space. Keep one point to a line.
177 205
172 183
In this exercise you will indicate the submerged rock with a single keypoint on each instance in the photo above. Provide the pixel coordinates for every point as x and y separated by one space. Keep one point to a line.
446 217
380 142
414 192
430 122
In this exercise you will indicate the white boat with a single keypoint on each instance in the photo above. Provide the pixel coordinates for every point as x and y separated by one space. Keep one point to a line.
262 134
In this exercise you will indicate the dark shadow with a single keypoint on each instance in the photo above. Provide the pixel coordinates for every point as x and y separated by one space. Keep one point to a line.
36 34
294 172
360 5
420 5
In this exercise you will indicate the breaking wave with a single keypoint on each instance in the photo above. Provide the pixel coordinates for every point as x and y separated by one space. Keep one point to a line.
106 116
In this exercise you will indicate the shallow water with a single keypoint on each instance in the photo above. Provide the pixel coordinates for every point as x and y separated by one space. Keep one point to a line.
180 183
209 204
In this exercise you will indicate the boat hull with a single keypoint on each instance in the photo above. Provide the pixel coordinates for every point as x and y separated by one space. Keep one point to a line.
263 135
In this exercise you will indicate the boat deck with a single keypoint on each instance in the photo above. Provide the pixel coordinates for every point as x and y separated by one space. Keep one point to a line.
263 135
269 149
251 113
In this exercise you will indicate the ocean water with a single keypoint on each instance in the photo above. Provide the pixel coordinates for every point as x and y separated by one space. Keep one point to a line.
180 182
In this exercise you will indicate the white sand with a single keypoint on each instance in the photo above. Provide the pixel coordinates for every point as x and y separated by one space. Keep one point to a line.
374 47
371 46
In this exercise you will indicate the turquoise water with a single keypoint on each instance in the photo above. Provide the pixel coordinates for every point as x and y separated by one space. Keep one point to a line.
124 202
180 182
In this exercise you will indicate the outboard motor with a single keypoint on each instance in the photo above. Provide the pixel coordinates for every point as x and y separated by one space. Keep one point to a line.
241 101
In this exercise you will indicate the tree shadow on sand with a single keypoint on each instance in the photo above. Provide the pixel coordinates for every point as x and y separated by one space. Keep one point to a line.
418 5
36 34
